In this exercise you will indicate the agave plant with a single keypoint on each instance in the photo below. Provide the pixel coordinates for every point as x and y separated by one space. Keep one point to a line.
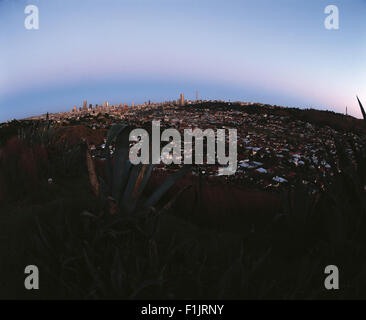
125 182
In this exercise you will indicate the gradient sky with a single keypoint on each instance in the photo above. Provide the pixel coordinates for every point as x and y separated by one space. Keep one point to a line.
270 51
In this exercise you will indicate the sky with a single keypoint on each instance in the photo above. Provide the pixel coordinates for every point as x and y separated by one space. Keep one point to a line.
123 51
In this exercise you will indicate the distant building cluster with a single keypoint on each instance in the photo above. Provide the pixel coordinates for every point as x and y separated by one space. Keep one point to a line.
123 110
123 107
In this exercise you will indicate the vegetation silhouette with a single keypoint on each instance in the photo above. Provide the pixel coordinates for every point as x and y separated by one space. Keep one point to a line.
126 234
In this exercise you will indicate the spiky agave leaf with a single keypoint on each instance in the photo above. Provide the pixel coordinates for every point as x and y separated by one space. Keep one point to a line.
137 181
166 185
362 109
122 164
112 134
142 180
128 201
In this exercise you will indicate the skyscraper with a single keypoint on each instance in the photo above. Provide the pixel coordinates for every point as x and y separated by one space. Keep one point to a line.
85 105
196 95
182 99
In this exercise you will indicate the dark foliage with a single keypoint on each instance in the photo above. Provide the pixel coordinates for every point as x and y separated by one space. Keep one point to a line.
166 252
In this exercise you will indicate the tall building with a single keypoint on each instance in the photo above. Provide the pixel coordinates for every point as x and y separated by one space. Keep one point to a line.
181 100
85 105
196 95
105 104
74 109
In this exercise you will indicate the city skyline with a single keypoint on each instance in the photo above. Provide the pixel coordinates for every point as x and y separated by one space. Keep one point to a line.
135 51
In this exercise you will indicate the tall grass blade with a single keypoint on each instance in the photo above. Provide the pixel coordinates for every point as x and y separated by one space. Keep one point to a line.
92 174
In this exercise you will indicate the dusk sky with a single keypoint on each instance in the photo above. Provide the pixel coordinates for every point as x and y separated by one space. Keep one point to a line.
269 51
